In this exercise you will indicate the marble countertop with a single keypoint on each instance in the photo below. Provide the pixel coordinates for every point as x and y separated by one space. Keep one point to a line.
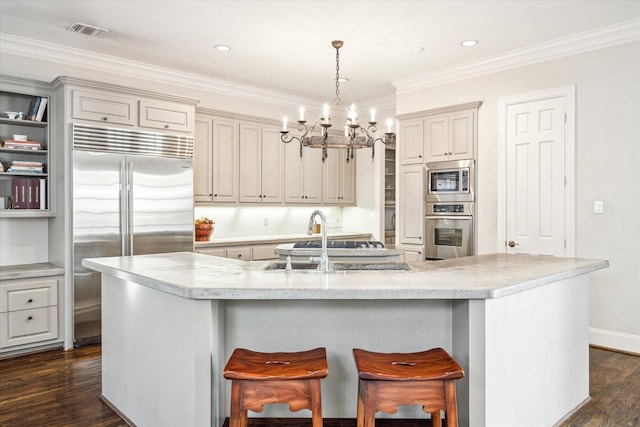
197 276
26 271
277 239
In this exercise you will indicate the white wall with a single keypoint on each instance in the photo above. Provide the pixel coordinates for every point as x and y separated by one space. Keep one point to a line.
608 150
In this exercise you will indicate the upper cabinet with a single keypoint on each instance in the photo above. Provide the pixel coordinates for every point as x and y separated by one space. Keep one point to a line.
25 149
242 160
215 164
437 135
261 164
132 111
338 178
450 136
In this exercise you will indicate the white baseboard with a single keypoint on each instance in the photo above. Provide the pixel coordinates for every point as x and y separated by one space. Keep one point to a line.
615 340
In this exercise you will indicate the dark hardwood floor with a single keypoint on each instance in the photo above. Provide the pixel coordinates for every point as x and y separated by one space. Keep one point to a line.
57 388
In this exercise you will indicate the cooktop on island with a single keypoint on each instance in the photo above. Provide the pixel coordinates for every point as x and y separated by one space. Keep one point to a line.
340 244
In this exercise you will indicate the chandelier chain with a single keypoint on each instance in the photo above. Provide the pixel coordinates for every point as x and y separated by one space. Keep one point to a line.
337 100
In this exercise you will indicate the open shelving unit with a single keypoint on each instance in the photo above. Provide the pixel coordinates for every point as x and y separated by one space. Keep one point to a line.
35 131
389 195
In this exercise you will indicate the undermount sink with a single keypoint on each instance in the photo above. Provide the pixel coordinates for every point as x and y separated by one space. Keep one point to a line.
341 266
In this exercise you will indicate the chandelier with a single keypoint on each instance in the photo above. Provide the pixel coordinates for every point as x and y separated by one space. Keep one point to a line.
355 136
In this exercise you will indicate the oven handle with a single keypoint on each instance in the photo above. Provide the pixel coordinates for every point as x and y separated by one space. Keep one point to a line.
452 217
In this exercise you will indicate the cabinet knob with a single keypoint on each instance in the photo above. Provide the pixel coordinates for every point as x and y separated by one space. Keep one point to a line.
105 118
264 196
30 318
239 255
419 156
215 195
166 126
30 300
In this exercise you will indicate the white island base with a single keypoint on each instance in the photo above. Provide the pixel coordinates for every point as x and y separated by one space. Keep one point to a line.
525 353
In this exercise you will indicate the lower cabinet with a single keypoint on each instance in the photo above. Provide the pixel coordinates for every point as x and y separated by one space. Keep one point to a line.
29 314
244 253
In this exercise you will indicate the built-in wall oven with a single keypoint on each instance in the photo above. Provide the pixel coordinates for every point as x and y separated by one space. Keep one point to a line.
449 209
449 230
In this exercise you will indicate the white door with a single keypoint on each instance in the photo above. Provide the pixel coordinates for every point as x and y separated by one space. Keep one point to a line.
535 177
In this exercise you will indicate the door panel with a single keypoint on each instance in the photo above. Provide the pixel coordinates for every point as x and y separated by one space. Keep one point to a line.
535 177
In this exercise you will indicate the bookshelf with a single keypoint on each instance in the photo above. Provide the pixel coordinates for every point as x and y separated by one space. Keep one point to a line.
25 164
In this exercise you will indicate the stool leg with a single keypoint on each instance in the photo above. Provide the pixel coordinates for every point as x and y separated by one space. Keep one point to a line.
360 416
316 403
235 416
450 402
436 421
369 402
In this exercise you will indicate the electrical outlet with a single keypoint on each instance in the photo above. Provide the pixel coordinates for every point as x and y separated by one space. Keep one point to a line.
266 221
598 207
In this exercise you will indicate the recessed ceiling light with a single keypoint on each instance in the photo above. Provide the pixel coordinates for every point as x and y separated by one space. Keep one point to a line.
86 29
223 48
418 49
469 43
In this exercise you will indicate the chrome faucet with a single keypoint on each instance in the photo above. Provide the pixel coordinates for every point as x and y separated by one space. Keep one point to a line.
324 258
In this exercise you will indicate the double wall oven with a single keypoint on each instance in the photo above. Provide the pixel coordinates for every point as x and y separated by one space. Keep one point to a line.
449 207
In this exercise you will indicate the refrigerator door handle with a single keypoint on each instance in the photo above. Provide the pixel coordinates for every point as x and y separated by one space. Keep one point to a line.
124 229
129 211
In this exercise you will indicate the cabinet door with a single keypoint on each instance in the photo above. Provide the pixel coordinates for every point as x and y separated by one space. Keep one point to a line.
272 166
166 116
312 160
437 138
250 163
294 173
411 205
203 161
461 135
102 107
331 176
225 161
411 146
219 252
348 182
241 253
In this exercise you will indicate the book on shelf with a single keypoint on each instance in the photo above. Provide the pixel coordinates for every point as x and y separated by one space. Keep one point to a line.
14 144
33 108
41 109
28 193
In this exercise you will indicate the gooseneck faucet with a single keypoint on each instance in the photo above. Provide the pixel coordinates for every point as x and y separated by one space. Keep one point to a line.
324 258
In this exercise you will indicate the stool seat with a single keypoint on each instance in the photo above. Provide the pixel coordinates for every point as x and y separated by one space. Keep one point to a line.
389 380
434 364
246 364
259 378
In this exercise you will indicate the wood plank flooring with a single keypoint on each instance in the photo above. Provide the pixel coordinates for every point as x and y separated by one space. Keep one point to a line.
57 388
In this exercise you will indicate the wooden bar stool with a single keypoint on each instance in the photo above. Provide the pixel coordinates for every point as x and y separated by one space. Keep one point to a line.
387 380
262 378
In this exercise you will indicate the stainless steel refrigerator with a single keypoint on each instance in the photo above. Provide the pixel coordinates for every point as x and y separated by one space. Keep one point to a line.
132 195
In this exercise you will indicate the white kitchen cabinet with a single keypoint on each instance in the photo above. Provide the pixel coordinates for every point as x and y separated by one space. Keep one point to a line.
450 136
411 205
413 253
302 175
338 178
244 253
412 146
121 109
29 314
221 252
261 164
215 162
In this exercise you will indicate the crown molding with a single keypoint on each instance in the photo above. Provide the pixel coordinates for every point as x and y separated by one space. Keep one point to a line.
608 36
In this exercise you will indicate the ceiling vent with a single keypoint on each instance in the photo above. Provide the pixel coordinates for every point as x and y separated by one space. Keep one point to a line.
88 30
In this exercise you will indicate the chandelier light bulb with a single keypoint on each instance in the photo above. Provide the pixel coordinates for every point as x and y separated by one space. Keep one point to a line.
284 124
301 114
389 124
325 113
373 115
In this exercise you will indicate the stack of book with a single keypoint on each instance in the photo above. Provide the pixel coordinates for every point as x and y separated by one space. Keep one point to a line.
14 144
23 166
29 193
37 109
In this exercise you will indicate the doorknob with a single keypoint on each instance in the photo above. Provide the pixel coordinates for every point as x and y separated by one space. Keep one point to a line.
512 243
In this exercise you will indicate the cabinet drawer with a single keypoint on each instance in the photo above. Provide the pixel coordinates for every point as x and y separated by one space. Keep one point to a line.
166 116
239 253
28 326
264 252
104 108
213 252
22 295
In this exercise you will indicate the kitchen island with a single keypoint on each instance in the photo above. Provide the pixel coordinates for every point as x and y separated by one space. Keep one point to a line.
516 323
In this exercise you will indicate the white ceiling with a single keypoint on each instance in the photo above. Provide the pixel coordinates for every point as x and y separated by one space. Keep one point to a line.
285 46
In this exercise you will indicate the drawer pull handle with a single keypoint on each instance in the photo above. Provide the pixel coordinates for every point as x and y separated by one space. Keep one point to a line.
30 318
30 300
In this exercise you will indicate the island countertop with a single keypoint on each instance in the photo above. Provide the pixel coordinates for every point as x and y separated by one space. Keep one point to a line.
197 276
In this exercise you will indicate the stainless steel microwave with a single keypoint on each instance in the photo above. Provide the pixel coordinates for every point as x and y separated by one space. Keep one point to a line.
451 181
